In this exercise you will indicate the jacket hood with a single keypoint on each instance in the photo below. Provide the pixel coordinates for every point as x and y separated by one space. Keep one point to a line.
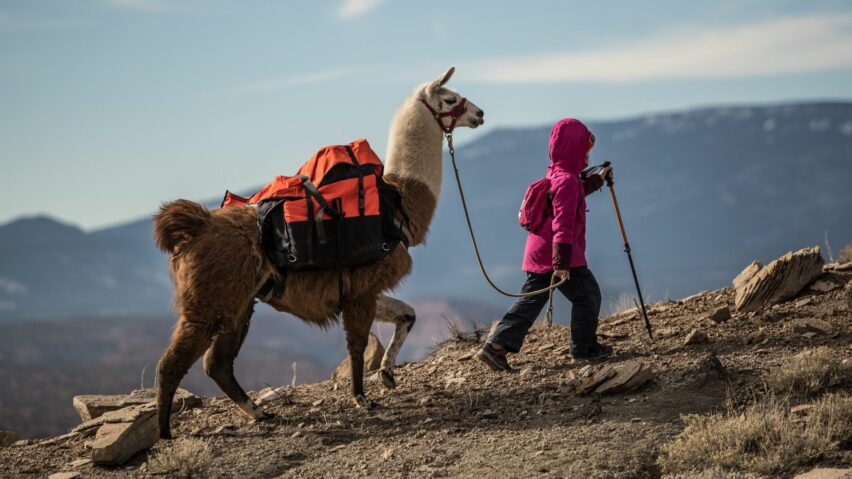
569 144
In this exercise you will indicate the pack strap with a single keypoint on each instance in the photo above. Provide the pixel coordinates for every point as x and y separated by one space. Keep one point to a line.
324 207
361 195
271 288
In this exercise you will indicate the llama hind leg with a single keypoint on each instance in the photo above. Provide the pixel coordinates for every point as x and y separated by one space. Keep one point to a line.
357 320
219 365
402 316
189 341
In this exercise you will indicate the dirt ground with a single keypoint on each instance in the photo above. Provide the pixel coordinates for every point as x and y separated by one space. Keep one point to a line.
452 417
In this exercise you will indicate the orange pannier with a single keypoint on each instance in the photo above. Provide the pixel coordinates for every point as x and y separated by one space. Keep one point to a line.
337 211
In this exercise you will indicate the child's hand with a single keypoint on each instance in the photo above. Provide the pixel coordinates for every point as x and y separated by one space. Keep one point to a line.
562 274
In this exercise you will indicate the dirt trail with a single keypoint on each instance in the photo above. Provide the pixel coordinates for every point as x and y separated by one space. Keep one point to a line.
452 417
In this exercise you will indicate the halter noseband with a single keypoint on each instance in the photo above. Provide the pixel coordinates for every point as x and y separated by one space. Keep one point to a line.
455 113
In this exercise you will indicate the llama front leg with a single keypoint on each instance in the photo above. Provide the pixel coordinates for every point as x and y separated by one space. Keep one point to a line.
402 316
357 320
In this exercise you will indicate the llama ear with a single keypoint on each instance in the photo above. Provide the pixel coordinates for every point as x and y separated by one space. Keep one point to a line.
442 80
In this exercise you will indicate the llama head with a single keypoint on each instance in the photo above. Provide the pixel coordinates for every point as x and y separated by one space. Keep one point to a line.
442 99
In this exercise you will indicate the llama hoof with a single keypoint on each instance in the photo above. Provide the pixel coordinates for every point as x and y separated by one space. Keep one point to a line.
386 377
362 402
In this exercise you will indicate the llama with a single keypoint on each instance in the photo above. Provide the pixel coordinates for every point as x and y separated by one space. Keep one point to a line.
218 265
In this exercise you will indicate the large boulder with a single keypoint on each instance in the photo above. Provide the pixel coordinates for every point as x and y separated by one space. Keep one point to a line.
747 273
124 433
93 406
780 280
372 360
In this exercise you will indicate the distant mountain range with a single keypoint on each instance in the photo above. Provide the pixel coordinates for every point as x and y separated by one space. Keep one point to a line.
703 192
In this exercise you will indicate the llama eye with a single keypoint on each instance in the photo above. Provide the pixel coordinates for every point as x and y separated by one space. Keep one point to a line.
450 101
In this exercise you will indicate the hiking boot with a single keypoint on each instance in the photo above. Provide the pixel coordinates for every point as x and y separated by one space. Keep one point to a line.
596 354
495 358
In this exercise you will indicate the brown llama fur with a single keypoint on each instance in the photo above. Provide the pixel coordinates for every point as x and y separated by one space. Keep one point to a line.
218 266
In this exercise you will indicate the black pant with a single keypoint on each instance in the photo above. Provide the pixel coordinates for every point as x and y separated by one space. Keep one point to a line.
585 296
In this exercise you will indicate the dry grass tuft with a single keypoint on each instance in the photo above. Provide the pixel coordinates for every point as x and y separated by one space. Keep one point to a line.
809 374
458 333
762 438
184 458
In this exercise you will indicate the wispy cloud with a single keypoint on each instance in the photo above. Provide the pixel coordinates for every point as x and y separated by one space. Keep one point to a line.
154 6
356 8
787 45
277 84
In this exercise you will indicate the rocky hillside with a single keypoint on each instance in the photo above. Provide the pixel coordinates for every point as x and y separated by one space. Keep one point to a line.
725 393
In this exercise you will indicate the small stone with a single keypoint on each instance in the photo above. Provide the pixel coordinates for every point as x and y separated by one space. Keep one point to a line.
804 302
488 414
454 381
755 337
720 315
64 475
696 336
809 334
80 462
466 356
317 403
296 434
425 400
388 453
805 325
823 286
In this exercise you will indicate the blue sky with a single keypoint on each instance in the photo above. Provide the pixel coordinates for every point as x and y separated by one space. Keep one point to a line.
108 107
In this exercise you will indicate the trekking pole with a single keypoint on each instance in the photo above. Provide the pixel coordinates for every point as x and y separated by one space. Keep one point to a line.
609 183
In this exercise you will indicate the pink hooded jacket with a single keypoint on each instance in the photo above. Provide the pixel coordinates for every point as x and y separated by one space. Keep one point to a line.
561 242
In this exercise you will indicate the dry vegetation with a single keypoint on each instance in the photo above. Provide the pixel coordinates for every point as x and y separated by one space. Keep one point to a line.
185 458
809 374
845 254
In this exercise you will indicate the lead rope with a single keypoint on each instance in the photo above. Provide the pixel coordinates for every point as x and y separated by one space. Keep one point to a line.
548 290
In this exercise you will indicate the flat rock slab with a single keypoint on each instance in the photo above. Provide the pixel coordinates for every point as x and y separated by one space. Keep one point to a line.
372 360
94 406
624 372
825 473
812 325
822 286
124 433
780 280
593 381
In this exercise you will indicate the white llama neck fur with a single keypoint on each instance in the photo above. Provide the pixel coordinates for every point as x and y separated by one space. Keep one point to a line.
415 145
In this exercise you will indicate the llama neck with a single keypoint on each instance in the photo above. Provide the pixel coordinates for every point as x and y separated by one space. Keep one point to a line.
415 146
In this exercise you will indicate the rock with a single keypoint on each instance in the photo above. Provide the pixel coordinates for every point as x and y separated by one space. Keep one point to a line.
7 438
748 273
454 381
847 266
804 302
124 433
488 414
696 336
825 473
779 280
273 394
372 360
93 406
801 410
812 325
80 462
317 403
466 356
822 286
623 373
592 382
720 315
64 475
639 379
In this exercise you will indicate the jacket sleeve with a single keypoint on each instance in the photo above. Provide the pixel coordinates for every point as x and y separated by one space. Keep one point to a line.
592 183
566 194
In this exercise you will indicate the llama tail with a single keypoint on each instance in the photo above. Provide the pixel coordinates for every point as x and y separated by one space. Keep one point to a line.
178 222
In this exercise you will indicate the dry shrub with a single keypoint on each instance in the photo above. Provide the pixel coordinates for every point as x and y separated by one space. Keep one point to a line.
845 254
458 333
761 439
809 374
184 458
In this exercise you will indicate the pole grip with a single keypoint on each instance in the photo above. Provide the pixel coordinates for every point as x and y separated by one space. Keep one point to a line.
609 180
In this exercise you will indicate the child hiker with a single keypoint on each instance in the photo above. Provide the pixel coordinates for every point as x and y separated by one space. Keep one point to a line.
556 247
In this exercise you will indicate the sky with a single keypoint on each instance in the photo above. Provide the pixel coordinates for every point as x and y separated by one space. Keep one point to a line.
110 107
